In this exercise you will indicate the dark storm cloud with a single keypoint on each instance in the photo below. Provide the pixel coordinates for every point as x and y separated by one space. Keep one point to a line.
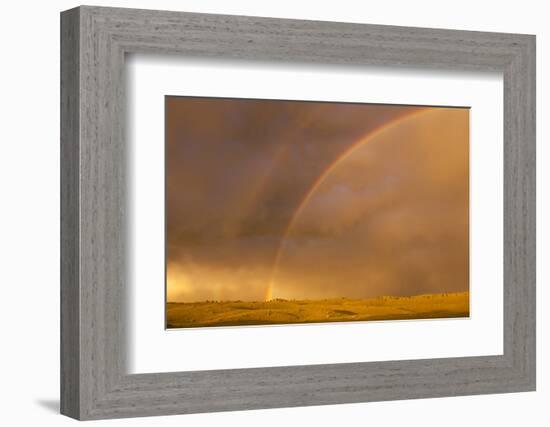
237 171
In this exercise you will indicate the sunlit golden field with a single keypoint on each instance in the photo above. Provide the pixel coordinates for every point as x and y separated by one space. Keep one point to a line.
278 311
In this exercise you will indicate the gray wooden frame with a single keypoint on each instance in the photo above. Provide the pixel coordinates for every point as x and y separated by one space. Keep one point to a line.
94 382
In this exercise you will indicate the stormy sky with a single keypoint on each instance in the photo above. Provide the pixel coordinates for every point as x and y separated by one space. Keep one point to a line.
309 200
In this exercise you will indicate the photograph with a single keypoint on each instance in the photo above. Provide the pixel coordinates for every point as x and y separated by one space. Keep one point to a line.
292 212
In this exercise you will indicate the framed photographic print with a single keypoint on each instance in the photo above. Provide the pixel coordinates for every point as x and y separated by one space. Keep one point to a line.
262 213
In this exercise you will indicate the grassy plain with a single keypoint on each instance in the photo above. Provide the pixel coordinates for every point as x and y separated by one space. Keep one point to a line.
279 311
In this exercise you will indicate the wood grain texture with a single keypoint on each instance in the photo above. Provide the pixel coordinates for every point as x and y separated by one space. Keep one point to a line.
70 291
94 382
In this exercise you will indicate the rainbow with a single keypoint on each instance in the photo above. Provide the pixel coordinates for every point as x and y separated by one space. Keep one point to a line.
360 142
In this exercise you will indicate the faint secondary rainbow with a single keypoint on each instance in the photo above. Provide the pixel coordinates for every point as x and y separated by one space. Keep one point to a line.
360 142
263 181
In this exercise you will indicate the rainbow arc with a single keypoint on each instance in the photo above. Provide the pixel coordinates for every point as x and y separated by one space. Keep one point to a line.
369 136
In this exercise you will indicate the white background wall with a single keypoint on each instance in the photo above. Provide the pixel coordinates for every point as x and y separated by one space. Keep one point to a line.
29 214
